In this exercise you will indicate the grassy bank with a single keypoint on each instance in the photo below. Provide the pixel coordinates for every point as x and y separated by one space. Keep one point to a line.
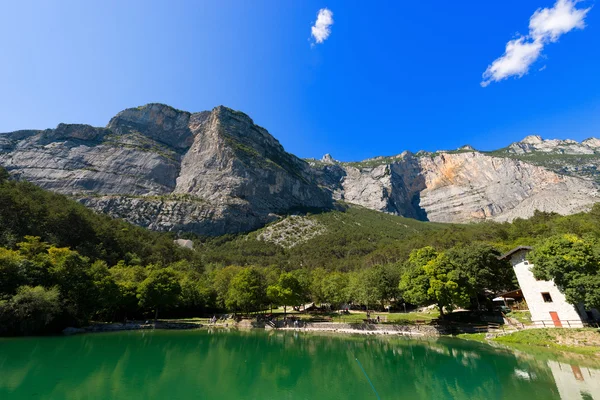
584 341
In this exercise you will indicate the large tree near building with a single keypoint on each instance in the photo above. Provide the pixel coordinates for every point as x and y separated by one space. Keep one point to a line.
432 278
480 264
574 265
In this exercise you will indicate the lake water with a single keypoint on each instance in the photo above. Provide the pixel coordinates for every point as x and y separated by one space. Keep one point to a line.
278 365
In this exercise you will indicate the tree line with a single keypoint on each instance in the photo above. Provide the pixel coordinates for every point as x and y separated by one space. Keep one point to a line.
63 265
45 288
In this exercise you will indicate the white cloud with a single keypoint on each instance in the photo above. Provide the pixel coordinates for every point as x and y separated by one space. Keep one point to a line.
549 23
546 25
517 58
322 28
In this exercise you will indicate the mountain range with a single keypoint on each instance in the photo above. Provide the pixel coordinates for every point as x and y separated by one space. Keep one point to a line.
217 172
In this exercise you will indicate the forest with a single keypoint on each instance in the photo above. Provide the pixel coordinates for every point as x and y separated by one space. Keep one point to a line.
64 265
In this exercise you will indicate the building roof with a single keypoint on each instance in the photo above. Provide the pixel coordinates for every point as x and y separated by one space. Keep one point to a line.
513 251
513 293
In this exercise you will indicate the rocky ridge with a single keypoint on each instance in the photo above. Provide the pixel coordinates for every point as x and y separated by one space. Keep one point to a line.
216 172
462 186
535 143
211 172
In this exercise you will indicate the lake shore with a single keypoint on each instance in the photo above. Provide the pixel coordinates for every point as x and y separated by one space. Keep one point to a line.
366 329
132 326
332 327
585 341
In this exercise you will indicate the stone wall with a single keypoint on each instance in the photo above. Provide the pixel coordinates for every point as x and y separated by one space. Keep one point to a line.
423 330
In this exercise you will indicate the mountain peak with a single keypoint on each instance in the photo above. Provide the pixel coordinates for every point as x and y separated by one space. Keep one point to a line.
535 143
156 121
592 142
466 147
532 139
328 159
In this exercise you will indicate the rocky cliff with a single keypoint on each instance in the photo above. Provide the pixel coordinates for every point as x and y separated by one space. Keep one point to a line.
216 172
210 172
459 186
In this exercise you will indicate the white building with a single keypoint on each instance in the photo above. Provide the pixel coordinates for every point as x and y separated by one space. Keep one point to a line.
547 305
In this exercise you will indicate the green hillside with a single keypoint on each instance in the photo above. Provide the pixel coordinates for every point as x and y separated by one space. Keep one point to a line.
344 239
26 209
355 237
63 265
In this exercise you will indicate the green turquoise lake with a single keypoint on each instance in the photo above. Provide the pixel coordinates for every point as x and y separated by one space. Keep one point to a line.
278 365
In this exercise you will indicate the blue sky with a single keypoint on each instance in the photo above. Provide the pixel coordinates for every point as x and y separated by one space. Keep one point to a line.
391 76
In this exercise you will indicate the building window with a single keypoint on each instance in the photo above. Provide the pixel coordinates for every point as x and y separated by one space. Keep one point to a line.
526 262
547 298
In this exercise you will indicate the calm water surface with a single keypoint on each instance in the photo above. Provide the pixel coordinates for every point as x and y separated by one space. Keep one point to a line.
277 365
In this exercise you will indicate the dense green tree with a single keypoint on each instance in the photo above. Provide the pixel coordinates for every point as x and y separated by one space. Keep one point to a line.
447 286
197 294
12 274
574 265
247 291
159 290
128 278
316 286
480 264
362 287
414 284
335 288
287 291
70 272
378 284
221 279
106 291
304 277
32 246
432 278
32 309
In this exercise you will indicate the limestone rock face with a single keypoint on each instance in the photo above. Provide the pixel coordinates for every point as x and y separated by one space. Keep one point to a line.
216 172
473 186
211 172
535 143
462 187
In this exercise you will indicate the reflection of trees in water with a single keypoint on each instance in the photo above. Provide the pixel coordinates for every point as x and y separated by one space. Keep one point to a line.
253 364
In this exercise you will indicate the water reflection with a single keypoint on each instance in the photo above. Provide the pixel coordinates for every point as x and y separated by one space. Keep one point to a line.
277 365
574 382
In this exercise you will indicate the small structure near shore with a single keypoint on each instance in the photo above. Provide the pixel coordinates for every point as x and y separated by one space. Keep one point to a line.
547 304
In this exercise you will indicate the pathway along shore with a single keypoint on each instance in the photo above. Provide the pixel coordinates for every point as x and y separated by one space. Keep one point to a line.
336 327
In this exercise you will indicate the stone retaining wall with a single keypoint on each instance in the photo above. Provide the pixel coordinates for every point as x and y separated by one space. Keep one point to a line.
423 330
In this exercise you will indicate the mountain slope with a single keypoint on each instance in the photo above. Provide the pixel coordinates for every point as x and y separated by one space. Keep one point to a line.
460 186
210 172
26 209
216 172
566 157
346 238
